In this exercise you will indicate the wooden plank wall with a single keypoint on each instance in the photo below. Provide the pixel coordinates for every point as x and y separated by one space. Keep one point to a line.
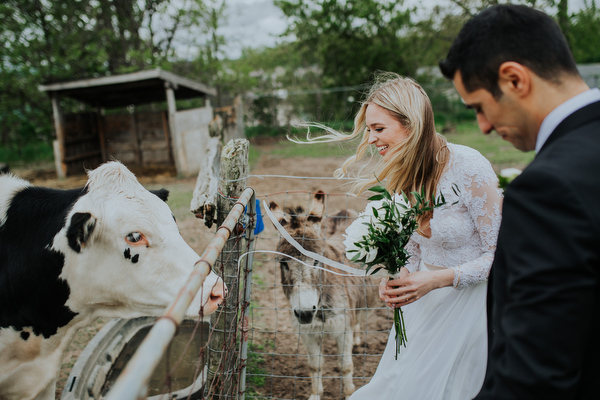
138 139
134 139
82 142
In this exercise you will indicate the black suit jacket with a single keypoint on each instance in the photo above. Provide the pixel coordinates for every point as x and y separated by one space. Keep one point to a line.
544 289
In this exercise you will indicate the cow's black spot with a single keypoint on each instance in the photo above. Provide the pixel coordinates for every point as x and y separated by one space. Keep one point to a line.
31 293
24 335
135 258
127 253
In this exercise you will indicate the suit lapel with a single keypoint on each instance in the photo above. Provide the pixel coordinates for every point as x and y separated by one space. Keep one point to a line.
580 117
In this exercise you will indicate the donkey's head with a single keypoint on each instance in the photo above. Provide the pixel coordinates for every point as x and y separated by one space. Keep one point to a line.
302 284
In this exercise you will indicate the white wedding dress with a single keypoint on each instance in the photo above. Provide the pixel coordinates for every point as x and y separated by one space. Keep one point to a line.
446 353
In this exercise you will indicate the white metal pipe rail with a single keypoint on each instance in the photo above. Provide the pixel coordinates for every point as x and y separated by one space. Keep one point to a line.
132 383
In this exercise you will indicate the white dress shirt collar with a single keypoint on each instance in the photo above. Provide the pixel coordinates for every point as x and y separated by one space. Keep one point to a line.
561 112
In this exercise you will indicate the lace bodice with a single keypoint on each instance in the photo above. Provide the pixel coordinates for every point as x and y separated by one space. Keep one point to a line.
465 230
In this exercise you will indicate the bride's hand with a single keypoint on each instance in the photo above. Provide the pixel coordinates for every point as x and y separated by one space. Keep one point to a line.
411 287
386 284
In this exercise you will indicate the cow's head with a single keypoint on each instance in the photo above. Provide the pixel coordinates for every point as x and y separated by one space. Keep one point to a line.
124 255
302 284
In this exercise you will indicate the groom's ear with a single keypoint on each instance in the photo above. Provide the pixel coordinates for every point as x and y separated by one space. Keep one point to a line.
515 79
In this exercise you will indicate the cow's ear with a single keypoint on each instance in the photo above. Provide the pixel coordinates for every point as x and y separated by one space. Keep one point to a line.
162 194
80 229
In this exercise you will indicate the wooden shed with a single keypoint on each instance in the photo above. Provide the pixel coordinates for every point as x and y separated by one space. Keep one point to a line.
167 137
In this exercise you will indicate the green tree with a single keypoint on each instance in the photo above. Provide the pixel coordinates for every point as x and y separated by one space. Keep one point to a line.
65 40
349 40
585 34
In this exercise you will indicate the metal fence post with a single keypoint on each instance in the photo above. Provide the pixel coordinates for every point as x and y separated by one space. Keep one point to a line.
223 346
245 305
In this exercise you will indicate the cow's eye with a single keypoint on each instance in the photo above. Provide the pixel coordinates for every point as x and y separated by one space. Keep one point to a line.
135 238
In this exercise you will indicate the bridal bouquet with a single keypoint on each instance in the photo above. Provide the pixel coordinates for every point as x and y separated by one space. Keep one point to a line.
379 235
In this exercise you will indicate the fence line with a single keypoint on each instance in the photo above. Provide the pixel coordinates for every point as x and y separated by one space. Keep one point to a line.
132 382
279 363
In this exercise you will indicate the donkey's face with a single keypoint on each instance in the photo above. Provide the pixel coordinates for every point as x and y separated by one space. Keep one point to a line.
302 285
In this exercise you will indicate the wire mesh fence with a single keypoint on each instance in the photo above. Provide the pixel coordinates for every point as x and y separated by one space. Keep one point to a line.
290 358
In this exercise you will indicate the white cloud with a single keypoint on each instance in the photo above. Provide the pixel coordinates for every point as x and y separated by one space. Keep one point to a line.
251 23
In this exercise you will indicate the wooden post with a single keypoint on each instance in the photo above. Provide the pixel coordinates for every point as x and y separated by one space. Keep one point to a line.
165 121
135 136
223 348
101 133
178 151
59 147
238 109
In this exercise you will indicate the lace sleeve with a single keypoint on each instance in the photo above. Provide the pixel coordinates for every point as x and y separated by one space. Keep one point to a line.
483 200
415 256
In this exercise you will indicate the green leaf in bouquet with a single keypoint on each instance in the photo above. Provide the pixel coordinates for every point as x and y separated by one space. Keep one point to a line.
376 270
356 258
378 189
376 197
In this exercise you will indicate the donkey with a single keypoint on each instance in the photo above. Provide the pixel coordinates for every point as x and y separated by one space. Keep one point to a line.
322 302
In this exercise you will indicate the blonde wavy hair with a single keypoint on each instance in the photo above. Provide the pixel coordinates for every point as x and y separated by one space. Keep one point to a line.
418 162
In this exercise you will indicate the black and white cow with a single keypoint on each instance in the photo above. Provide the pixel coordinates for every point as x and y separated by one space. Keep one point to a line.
111 249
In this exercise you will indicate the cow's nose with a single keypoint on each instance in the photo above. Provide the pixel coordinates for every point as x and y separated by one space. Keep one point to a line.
218 293
304 316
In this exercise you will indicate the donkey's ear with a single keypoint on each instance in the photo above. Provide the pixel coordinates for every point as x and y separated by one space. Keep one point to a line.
279 214
317 207
80 230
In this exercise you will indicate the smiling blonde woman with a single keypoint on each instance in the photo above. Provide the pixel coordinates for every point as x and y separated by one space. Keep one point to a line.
442 289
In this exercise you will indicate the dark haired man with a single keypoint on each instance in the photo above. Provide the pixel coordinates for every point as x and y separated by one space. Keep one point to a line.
513 66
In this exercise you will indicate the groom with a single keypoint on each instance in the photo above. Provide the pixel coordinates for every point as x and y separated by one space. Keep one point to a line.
513 66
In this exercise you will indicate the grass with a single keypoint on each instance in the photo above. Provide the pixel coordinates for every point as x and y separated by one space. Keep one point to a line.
500 153
255 373
179 201
286 149
40 152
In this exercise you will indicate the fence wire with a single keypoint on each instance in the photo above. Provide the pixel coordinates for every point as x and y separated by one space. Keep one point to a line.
278 359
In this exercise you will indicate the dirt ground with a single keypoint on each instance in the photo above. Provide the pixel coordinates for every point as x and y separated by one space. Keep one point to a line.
280 368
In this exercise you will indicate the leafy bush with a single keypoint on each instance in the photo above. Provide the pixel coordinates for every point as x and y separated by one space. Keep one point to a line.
27 153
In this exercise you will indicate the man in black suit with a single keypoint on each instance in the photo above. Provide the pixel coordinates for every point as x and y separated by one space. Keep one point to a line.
513 66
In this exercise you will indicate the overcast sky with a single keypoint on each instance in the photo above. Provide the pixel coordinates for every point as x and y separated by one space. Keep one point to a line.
255 23
252 23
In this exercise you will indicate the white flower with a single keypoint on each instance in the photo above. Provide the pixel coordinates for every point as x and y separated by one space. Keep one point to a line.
510 173
372 253
357 229
352 250
358 232
377 205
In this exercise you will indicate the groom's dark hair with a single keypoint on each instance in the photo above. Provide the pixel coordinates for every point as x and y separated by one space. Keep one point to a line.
507 33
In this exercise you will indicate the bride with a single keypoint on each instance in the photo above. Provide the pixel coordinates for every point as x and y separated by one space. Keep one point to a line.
442 291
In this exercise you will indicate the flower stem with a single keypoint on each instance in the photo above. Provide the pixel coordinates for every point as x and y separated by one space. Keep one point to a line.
400 328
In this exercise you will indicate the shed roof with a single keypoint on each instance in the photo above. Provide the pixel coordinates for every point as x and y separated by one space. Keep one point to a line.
123 90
